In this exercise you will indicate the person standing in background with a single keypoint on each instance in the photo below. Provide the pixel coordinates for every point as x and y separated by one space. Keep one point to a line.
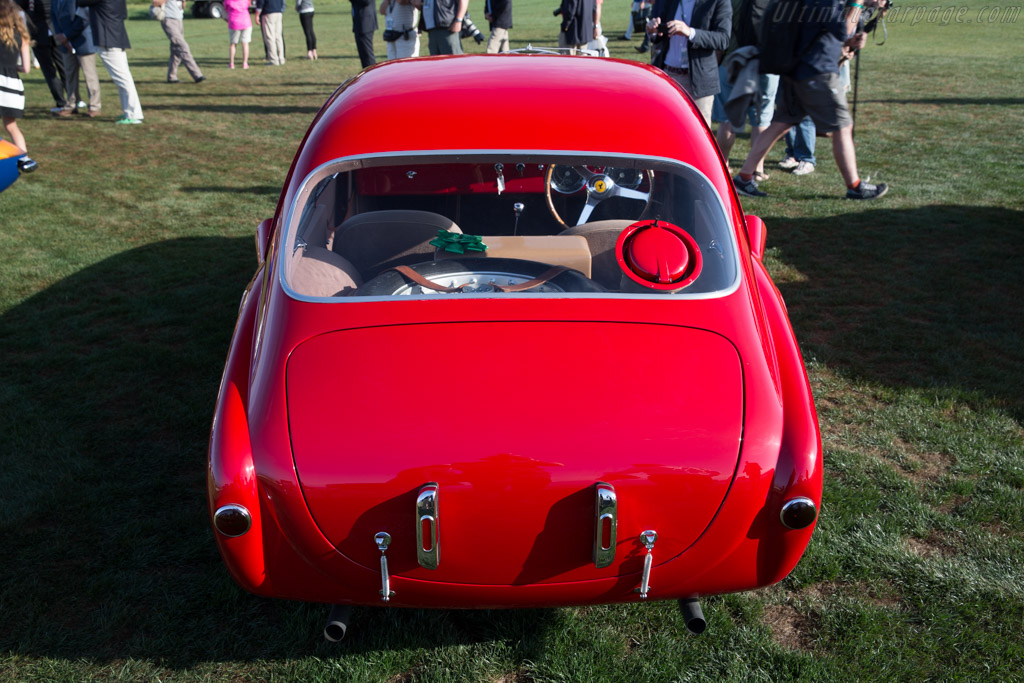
401 19
578 24
443 20
51 63
688 33
364 23
71 31
306 11
499 14
269 16
174 13
106 19
239 30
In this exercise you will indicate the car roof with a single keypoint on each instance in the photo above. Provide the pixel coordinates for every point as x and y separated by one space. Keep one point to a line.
510 102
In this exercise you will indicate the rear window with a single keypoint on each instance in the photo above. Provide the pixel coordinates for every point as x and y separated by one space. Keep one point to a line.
507 224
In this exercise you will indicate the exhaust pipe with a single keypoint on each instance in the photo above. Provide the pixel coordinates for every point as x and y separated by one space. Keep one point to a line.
693 616
337 623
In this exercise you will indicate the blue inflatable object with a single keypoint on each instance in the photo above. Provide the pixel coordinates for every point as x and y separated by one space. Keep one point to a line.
9 155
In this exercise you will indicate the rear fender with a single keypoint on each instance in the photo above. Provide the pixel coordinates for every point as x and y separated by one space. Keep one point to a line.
799 469
769 551
231 477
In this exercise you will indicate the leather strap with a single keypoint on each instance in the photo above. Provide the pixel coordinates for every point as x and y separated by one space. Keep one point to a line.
424 282
547 275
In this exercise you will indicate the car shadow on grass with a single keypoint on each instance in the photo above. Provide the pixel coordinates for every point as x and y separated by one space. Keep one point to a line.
110 377
927 298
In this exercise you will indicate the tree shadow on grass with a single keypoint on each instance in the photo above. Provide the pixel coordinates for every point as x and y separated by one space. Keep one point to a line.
237 108
953 101
110 377
260 190
928 297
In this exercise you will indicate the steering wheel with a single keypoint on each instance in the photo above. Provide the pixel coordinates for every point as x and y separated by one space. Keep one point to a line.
599 186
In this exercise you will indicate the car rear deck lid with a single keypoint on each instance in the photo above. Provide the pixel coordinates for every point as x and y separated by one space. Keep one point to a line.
515 443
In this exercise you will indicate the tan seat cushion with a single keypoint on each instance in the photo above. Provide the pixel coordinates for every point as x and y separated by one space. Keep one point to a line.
317 272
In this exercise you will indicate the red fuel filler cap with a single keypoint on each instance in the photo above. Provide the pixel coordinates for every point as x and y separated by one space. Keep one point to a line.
658 255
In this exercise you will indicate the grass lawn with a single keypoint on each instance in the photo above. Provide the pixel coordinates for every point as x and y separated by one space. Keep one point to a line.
124 256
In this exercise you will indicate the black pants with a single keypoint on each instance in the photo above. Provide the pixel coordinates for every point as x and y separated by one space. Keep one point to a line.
71 80
51 63
306 19
364 45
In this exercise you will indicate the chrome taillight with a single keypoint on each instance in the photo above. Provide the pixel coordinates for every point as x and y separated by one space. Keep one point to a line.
232 520
798 513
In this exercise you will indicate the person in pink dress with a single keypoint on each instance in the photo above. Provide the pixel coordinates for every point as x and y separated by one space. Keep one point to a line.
239 30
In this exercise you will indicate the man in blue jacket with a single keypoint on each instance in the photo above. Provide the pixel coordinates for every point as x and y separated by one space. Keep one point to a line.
364 24
686 34
269 16
499 14
71 31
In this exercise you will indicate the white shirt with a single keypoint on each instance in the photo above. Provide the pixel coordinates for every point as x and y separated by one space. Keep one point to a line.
677 55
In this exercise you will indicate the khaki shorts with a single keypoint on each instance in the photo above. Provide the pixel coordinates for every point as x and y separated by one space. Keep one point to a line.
240 36
821 97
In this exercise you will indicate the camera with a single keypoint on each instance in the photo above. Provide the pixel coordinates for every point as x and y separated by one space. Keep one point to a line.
640 19
660 34
469 29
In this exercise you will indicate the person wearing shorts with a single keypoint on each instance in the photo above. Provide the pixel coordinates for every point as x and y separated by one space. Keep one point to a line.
239 30
815 89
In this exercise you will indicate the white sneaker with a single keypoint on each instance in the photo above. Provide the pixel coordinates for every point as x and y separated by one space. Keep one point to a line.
788 163
82 105
803 168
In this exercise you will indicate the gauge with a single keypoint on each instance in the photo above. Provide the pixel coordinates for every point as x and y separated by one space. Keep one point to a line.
566 180
625 177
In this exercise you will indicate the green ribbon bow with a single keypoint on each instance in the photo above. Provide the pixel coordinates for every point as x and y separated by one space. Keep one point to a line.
457 243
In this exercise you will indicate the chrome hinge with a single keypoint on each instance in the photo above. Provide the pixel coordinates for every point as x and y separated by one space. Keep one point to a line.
426 527
605 524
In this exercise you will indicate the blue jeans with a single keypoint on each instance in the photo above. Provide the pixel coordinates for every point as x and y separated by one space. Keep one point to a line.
800 141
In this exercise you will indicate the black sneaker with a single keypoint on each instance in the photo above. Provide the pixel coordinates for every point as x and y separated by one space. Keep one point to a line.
867 191
27 165
747 188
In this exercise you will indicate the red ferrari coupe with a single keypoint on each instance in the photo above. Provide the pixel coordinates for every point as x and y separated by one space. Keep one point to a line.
511 343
